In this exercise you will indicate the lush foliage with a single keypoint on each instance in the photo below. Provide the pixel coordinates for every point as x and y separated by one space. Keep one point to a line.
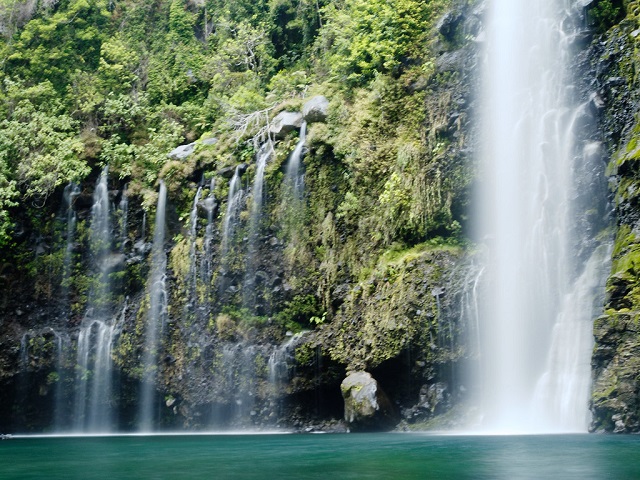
89 82
606 13
374 36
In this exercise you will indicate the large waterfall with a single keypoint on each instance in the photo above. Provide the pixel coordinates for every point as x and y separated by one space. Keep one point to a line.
541 296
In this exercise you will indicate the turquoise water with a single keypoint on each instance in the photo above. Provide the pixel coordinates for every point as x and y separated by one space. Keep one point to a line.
376 456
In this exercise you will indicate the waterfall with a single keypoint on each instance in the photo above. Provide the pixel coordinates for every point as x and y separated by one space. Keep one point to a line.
92 404
231 219
248 289
295 178
71 191
59 404
123 210
210 207
530 152
238 368
193 258
233 209
563 390
22 386
93 410
280 362
156 317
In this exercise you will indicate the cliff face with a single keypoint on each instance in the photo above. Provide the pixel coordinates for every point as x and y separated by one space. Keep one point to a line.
271 283
263 282
615 399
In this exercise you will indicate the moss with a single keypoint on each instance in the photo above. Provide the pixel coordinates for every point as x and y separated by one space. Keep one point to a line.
225 326
389 311
305 355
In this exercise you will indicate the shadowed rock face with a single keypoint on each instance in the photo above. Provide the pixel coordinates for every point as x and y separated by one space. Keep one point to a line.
366 406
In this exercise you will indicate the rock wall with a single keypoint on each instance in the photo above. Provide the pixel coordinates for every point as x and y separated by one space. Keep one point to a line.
616 395
372 264
375 266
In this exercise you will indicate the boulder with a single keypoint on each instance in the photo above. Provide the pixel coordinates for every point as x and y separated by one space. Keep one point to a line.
448 24
366 406
285 122
210 141
182 152
316 109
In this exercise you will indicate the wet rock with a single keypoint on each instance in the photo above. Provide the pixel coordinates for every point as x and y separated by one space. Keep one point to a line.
115 261
451 61
226 172
366 406
285 122
434 397
448 24
620 427
316 109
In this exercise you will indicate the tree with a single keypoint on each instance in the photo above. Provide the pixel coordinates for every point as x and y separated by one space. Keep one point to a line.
369 36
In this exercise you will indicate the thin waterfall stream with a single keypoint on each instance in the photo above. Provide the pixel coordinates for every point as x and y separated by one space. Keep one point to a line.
255 218
210 206
155 318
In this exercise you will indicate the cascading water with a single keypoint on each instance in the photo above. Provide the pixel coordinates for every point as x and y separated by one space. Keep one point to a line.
62 345
92 404
71 191
231 219
562 392
295 178
233 208
22 387
280 362
529 155
248 289
156 316
123 218
210 205
193 258
238 365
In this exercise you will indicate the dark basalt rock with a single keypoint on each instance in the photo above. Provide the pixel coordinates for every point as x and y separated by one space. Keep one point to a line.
448 24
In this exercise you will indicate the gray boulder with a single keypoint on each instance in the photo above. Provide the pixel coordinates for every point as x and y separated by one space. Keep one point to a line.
366 406
210 141
284 123
316 109
182 152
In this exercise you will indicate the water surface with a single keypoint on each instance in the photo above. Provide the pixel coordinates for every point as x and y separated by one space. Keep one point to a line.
383 456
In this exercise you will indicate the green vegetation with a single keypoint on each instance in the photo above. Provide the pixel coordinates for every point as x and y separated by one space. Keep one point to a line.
606 13
89 83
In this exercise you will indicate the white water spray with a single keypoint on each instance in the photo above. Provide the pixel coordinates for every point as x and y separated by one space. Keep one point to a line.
528 162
